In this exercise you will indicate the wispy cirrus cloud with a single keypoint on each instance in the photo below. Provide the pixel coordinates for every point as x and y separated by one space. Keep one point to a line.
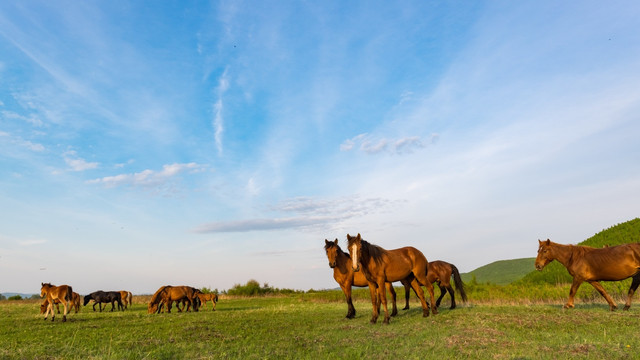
148 178
307 213
16 140
218 120
371 145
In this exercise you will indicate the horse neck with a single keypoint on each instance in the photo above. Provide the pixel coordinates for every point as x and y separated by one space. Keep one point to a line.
563 253
342 260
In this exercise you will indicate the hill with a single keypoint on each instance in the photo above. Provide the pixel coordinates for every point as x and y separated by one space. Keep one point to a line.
501 272
555 273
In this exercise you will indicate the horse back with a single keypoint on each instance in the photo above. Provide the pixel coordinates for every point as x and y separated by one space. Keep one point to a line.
401 262
609 263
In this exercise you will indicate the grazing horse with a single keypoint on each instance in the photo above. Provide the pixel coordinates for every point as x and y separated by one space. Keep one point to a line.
589 264
208 297
344 275
106 297
127 298
440 272
380 266
166 295
75 303
62 293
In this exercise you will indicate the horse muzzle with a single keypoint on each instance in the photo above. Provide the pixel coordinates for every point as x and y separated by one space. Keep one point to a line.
332 264
356 269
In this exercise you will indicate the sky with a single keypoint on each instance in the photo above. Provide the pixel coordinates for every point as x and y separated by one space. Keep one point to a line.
209 143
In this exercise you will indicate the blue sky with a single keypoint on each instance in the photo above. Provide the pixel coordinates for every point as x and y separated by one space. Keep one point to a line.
209 143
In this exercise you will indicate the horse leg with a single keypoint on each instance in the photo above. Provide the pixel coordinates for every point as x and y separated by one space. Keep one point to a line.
64 316
453 297
443 290
351 311
420 294
632 290
407 293
389 285
374 301
612 305
572 293
382 291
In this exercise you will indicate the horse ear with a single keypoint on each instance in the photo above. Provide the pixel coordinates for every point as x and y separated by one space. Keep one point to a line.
336 241
548 242
359 237
326 242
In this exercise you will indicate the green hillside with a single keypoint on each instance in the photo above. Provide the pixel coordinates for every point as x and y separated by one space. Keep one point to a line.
500 272
555 273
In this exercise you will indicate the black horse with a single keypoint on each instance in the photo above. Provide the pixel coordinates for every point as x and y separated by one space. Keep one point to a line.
106 297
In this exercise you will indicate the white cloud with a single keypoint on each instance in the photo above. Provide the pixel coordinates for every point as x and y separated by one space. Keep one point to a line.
78 164
371 145
148 178
218 120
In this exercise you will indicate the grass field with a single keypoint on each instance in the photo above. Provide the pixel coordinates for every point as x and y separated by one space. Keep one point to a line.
300 327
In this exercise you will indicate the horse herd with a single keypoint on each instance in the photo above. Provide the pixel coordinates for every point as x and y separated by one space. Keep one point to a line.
370 265
165 296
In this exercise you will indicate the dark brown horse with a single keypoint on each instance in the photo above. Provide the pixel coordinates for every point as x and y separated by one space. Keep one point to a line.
62 293
380 266
589 264
166 295
440 272
344 275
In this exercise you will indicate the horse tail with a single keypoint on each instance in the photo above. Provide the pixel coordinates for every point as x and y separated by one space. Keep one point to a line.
458 281
69 295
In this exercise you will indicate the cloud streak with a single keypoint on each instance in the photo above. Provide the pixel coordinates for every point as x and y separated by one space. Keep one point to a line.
372 146
147 178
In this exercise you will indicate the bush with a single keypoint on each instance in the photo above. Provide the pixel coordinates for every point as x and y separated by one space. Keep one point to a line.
15 297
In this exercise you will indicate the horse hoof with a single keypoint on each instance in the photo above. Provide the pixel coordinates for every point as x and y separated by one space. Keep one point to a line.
386 321
64 318
626 307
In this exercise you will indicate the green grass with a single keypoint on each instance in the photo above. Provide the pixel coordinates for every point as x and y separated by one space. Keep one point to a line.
311 327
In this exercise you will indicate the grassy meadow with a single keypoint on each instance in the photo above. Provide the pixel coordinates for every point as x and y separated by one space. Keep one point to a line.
311 326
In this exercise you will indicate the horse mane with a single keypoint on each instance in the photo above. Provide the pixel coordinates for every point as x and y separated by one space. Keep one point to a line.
370 251
154 298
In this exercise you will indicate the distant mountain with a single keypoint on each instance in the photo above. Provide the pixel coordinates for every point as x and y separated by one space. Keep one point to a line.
501 272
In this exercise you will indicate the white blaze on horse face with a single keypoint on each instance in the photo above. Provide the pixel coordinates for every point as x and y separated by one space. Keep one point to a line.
354 256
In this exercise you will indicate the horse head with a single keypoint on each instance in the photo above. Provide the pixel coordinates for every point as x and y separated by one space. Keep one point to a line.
44 289
545 254
355 250
332 248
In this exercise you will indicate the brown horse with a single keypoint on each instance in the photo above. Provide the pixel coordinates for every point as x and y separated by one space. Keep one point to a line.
344 275
126 297
589 264
440 272
62 293
166 295
208 297
75 303
380 266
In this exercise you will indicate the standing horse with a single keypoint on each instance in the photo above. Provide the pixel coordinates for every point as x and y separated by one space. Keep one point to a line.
62 293
344 275
589 264
440 272
127 298
380 266
74 304
208 297
106 297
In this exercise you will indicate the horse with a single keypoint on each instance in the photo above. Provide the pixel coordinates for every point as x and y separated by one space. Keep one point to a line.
440 272
63 293
166 295
380 266
100 297
344 275
75 303
208 297
127 298
585 263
